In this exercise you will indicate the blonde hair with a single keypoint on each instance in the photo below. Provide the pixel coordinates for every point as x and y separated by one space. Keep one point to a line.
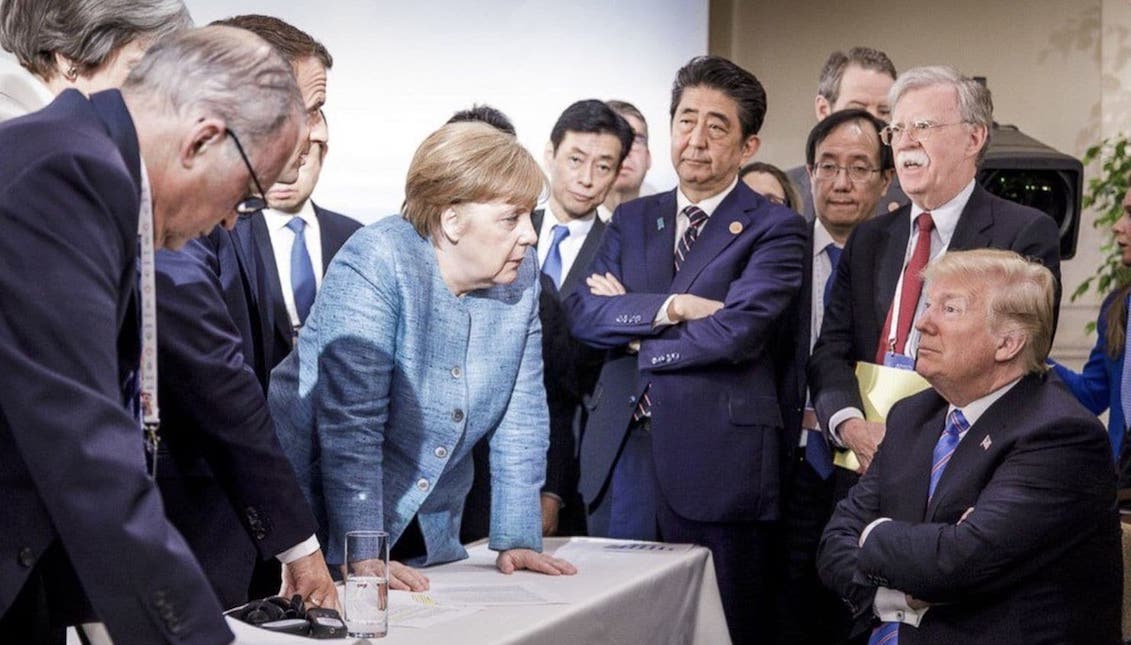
468 162
1019 293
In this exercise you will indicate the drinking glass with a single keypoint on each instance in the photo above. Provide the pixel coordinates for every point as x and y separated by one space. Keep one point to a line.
367 584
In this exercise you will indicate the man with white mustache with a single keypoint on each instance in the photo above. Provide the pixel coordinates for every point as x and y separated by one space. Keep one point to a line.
939 133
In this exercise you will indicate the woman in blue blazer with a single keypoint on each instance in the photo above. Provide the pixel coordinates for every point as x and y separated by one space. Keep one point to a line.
1097 387
424 340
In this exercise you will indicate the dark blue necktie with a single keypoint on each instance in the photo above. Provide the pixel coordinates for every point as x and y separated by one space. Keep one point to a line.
553 266
302 271
833 251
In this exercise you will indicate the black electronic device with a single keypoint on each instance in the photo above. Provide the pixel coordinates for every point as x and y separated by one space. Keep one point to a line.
280 615
1021 169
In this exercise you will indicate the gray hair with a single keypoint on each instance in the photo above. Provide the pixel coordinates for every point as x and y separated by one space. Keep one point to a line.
975 105
230 73
85 31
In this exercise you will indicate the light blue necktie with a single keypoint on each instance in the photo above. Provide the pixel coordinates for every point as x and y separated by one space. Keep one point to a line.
553 266
302 271
1125 379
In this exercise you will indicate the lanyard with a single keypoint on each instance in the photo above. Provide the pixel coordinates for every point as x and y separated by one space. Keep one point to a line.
151 414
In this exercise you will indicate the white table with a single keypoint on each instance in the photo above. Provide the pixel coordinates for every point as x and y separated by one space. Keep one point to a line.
619 595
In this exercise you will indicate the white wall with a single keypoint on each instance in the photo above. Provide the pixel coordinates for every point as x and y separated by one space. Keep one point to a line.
401 69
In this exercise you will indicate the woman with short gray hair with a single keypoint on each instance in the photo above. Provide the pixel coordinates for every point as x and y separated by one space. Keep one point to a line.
89 45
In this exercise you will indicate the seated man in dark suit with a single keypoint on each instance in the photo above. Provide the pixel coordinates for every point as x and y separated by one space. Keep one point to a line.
989 512
83 184
226 483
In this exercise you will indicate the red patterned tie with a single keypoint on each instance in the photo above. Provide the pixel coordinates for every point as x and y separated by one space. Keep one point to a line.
697 218
912 287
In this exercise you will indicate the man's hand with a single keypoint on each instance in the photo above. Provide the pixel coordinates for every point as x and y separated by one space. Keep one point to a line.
862 437
685 306
605 285
514 559
551 507
404 578
309 577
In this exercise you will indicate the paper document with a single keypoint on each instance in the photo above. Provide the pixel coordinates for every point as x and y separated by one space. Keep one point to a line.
880 387
485 595
407 609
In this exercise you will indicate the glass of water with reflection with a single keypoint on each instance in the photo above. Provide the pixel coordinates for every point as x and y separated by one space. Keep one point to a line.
367 584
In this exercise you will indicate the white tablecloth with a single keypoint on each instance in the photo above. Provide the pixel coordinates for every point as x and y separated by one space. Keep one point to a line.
621 596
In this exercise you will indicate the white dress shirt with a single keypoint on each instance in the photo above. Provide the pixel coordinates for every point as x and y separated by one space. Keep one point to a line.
570 246
282 241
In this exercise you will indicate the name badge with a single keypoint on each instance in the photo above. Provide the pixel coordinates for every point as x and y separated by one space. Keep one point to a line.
898 361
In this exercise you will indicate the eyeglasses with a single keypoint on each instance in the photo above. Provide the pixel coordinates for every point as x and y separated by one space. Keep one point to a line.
640 139
251 203
916 132
827 170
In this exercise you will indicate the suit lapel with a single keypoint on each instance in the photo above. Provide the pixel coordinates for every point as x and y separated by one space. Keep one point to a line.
580 268
659 241
975 447
329 247
273 306
891 251
977 218
731 218
921 458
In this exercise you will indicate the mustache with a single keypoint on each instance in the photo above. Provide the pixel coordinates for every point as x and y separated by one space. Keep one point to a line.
913 156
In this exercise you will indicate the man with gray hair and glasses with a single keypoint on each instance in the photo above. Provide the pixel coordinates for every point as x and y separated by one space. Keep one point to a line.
89 187
939 132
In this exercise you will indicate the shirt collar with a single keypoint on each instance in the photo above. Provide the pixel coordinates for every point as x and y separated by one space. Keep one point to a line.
278 219
707 205
946 216
821 238
974 410
577 227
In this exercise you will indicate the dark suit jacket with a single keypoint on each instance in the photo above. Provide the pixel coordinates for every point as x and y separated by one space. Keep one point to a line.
226 482
570 368
792 347
335 230
716 416
71 460
1038 558
869 271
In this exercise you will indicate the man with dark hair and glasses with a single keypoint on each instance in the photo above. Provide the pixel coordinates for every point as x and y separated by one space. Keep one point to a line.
850 170
939 132
226 483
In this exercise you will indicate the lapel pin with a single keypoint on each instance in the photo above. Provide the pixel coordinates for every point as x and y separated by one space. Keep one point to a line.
659 223
736 227
986 443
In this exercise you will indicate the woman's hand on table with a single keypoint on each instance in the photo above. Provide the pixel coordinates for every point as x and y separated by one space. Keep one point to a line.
404 578
514 559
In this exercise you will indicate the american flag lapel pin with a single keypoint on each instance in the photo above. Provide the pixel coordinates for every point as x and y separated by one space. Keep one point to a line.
659 223
986 443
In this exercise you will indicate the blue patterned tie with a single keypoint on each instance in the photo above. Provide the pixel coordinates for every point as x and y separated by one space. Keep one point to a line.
948 442
302 271
553 266
1125 379
816 450
696 218
885 634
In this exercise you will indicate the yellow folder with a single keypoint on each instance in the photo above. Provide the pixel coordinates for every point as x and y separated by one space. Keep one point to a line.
880 387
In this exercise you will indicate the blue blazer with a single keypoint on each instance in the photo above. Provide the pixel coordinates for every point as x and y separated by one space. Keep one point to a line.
394 379
1097 387
716 411
71 460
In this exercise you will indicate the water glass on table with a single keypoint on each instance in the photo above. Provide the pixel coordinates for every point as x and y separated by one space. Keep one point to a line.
367 584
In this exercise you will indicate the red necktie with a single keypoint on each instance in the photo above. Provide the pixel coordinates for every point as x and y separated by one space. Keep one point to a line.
912 287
